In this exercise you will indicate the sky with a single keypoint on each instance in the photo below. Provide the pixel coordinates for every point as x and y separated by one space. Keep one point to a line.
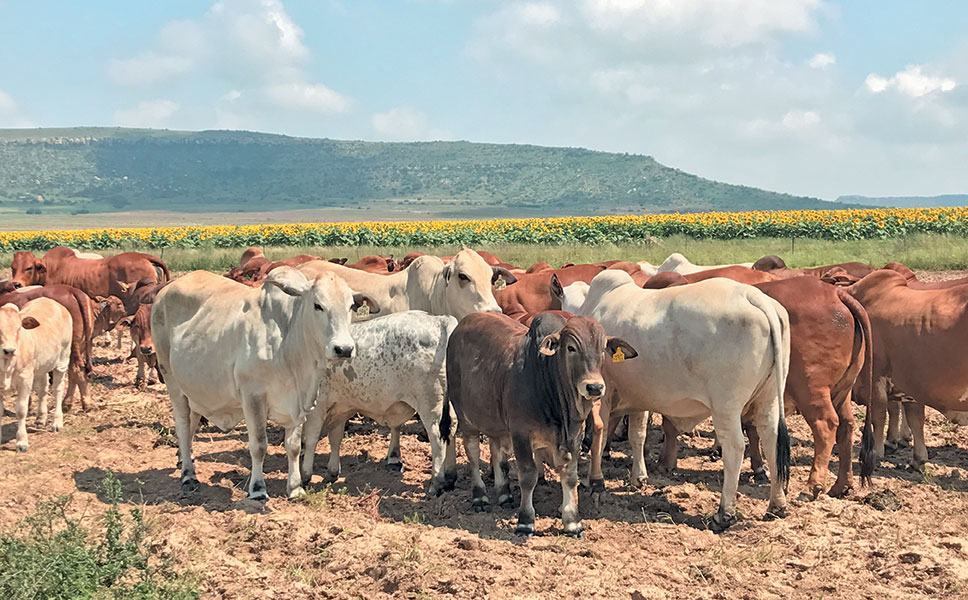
809 97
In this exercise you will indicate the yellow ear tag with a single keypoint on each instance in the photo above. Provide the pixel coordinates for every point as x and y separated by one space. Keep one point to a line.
500 284
619 356
363 311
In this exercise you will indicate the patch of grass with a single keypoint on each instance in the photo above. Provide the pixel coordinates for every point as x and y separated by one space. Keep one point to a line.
932 251
413 519
51 555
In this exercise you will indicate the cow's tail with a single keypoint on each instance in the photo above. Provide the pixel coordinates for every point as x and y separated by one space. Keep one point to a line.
445 421
865 383
87 326
161 269
780 341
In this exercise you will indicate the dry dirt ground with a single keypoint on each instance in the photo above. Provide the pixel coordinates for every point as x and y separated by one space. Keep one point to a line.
374 534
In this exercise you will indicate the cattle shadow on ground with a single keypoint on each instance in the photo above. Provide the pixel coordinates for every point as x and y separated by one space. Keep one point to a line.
154 486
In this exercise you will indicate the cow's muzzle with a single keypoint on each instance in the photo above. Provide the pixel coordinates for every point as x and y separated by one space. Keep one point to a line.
9 352
147 350
343 351
17 285
594 390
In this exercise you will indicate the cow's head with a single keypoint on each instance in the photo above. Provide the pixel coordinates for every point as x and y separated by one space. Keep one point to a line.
839 276
769 263
108 312
327 304
663 280
12 322
578 351
28 269
7 286
140 326
468 282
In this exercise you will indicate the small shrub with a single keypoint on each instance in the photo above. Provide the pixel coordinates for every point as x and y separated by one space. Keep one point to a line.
50 555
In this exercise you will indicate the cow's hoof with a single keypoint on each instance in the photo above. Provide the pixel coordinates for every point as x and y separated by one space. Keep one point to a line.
57 428
396 467
638 482
775 512
840 491
575 534
297 494
141 387
22 447
331 476
481 505
190 486
505 500
450 480
721 522
259 495
761 476
524 530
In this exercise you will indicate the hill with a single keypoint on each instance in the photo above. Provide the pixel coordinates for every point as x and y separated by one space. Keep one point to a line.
78 170
908 201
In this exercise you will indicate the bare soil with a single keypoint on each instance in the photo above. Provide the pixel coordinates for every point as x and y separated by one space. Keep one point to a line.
374 534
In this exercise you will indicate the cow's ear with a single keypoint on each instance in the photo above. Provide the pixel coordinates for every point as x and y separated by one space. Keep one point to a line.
549 345
557 291
124 287
30 323
448 269
289 280
619 349
39 267
501 272
362 299
126 322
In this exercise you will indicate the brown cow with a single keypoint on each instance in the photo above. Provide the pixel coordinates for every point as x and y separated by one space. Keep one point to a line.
79 306
530 387
139 325
533 290
918 347
375 264
538 267
93 276
830 346
776 266
404 262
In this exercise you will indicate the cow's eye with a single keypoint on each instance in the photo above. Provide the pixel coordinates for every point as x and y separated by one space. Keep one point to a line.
318 307
572 349
29 269
463 277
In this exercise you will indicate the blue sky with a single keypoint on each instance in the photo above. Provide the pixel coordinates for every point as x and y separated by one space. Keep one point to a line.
804 96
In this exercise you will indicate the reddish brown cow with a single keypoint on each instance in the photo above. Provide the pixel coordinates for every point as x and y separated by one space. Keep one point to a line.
916 284
830 346
375 264
404 262
95 277
776 266
735 272
533 290
538 267
919 340
79 306
139 325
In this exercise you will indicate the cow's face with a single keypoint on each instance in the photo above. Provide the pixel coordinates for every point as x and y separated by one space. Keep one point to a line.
140 325
12 322
28 269
108 312
328 304
469 280
579 350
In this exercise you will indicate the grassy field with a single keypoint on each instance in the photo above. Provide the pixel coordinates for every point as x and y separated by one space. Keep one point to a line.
933 252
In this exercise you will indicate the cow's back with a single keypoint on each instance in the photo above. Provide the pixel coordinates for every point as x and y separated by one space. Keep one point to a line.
51 341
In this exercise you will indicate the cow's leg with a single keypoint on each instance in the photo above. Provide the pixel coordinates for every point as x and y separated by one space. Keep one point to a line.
293 442
472 446
185 423
527 479
120 336
501 468
878 414
141 379
82 392
254 409
824 423
914 413
596 481
335 440
768 426
568 474
894 411
21 407
638 428
729 432
756 455
430 419
75 372
669 455
845 446
58 388
394 463
312 428
40 390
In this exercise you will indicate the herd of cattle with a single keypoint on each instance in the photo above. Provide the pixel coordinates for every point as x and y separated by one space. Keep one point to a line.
539 360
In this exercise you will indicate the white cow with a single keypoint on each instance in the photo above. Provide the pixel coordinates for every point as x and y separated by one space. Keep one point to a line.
716 347
229 351
34 342
458 288
398 370
680 264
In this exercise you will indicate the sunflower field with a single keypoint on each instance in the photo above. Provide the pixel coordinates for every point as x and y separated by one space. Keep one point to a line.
839 225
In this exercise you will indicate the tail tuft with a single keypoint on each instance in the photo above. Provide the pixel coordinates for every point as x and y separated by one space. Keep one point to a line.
445 423
868 458
783 454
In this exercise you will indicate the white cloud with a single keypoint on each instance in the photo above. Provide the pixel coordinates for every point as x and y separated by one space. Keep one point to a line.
253 46
150 113
7 105
404 123
800 120
911 82
822 60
